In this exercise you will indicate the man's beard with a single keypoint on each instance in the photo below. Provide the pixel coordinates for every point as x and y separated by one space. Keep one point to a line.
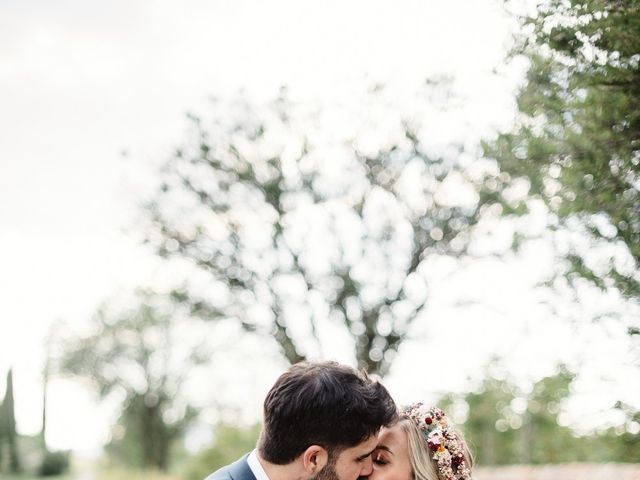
327 473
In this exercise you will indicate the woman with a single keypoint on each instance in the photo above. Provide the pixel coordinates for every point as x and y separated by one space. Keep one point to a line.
421 446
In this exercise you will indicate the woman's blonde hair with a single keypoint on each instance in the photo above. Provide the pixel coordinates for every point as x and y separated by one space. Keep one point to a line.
422 463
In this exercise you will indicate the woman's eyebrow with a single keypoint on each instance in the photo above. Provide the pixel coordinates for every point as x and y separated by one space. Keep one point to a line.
385 448
362 457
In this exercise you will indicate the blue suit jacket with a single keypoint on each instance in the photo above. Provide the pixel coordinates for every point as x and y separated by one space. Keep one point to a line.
238 470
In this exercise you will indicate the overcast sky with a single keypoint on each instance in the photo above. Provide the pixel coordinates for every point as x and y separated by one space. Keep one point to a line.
82 81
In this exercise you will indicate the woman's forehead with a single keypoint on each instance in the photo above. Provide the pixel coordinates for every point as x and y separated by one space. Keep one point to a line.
394 438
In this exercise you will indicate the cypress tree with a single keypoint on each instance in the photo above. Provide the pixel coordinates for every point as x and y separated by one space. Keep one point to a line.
2 435
8 426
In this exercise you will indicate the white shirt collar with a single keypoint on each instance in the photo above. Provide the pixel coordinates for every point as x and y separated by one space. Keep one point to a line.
256 467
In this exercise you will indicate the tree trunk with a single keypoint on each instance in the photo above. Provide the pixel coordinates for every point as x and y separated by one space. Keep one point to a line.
488 436
45 383
155 441
526 440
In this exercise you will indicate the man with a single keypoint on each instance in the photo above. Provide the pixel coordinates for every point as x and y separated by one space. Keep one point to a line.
321 421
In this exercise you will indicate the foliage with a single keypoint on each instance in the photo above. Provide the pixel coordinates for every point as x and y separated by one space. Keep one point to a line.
132 353
506 425
54 464
543 438
577 142
487 422
576 147
231 442
295 232
620 443
148 445
489 419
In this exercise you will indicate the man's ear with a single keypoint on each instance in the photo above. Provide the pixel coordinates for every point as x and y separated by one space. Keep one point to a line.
314 459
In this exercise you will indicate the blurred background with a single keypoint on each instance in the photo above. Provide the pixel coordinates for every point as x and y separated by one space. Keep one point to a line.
194 195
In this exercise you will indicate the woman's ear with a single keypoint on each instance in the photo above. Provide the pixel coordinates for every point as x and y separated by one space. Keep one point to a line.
314 459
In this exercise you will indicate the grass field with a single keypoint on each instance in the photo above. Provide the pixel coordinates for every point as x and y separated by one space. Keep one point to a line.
100 475
5 476
512 472
97 473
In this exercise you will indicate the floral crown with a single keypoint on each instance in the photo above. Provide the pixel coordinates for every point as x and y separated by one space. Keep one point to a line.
447 447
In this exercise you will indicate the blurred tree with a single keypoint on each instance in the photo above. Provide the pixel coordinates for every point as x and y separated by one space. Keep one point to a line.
54 464
296 235
489 425
2 438
139 354
49 343
620 444
148 444
577 141
576 145
543 439
8 436
231 442
505 425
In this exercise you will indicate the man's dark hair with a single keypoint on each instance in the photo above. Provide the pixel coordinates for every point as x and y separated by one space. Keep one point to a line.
322 403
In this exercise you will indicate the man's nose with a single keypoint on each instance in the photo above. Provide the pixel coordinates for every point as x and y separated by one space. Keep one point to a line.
367 467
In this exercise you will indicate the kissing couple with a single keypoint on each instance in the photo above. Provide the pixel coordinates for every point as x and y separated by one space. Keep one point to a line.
326 421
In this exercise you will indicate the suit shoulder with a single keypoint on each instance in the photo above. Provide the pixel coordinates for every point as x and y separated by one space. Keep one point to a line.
220 474
239 470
